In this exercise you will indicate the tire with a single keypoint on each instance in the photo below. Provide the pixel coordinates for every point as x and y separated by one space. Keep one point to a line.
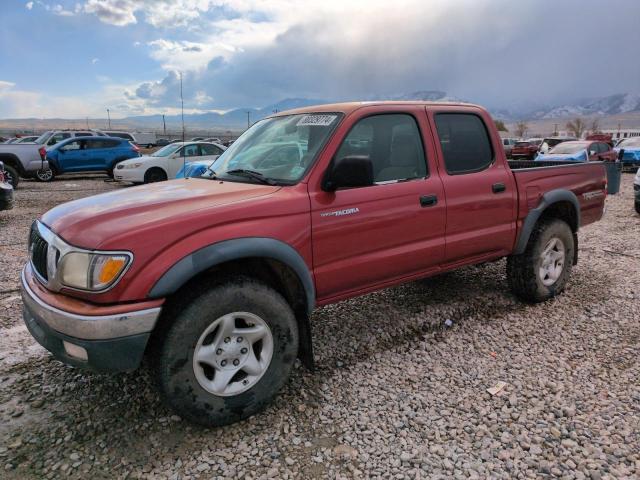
528 278
11 175
190 387
154 175
637 205
45 175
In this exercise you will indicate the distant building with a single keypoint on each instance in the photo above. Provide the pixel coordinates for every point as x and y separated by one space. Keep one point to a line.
622 132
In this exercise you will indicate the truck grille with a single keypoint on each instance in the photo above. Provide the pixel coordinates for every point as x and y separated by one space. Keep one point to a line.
38 249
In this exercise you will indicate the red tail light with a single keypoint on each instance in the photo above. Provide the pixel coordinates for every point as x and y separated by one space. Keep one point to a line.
135 147
43 153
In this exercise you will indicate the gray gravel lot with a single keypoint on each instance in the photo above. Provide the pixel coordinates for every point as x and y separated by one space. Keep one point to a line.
396 394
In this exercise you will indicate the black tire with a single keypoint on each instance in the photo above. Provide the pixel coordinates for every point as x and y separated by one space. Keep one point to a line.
11 175
45 175
637 205
155 174
523 270
172 354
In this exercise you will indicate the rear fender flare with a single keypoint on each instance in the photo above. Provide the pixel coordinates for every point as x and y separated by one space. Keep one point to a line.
548 199
12 160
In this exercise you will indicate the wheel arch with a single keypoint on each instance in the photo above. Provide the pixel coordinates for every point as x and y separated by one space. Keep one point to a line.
561 204
268 260
12 160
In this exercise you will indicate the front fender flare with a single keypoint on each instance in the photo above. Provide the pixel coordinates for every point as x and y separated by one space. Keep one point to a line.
235 249
548 199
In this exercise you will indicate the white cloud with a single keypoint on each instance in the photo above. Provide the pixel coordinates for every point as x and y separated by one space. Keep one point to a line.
4 85
94 60
115 12
29 5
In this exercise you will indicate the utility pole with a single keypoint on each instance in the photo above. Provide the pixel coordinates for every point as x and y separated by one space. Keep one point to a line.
109 118
555 129
248 119
164 126
87 123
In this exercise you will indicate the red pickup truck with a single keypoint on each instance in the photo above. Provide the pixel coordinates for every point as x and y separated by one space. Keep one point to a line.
215 277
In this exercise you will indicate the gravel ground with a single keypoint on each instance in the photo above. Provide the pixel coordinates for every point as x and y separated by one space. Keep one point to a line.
397 393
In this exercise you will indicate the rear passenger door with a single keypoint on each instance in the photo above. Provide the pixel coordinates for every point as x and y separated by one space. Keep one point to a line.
479 188
366 236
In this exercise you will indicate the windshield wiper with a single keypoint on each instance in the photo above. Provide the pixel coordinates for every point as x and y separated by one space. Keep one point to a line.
242 172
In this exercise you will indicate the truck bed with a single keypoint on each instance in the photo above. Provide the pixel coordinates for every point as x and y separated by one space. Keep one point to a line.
586 180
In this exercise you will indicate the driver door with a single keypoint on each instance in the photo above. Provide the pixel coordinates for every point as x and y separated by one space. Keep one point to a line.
71 156
186 154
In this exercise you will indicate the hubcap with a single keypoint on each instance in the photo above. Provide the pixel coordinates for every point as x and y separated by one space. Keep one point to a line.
551 261
233 353
44 174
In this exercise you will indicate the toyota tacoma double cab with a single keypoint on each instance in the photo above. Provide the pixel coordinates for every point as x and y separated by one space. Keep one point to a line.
214 278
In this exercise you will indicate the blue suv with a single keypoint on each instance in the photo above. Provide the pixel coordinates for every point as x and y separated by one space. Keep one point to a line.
87 154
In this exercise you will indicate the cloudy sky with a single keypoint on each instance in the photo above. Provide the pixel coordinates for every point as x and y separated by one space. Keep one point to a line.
75 58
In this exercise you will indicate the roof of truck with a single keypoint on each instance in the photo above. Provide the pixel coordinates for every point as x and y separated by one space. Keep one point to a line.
348 107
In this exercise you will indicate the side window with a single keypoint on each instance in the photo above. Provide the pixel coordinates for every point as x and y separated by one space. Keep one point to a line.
190 151
210 150
75 145
83 134
604 147
465 142
58 137
93 144
393 144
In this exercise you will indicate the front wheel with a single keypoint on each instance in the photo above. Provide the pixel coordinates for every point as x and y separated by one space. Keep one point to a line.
544 268
45 175
227 352
155 175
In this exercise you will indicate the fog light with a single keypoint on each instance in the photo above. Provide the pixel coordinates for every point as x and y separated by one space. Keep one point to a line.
75 350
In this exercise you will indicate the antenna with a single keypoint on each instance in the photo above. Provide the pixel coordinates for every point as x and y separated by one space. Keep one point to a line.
184 158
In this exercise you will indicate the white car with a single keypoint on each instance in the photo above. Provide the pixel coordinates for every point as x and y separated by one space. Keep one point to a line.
166 162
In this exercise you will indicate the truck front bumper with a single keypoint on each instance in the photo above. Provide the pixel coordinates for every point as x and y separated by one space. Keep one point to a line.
103 342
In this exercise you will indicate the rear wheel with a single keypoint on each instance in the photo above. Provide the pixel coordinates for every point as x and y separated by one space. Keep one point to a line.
543 270
227 352
154 175
11 175
45 174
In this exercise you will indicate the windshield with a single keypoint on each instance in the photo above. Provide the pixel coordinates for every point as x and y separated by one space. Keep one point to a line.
43 138
168 150
569 147
630 142
280 149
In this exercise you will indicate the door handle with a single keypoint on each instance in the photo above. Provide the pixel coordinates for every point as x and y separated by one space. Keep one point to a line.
498 187
428 200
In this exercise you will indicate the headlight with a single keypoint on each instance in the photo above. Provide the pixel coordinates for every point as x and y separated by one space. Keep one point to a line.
133 165
92 271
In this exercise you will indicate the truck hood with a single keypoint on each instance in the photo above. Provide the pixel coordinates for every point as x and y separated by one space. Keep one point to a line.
89 221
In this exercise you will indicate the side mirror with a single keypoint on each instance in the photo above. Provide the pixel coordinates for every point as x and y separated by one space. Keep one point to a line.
620 154
352 171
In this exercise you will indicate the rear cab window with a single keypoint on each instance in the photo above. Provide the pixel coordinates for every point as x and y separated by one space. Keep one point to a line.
465 143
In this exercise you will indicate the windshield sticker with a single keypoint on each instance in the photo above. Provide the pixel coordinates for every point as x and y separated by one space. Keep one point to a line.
316 120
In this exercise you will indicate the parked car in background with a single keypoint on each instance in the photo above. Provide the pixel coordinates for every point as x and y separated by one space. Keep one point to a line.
636 190
87 154
215 278
596 151
145 139
6 191
11 140
524 149
631 155
213 140
197 139
124 135
550 142
507 144
28 139
166 162
24 160
194 169
52 137
161 142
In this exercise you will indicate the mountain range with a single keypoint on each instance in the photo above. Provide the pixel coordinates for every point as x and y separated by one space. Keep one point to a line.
609 105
